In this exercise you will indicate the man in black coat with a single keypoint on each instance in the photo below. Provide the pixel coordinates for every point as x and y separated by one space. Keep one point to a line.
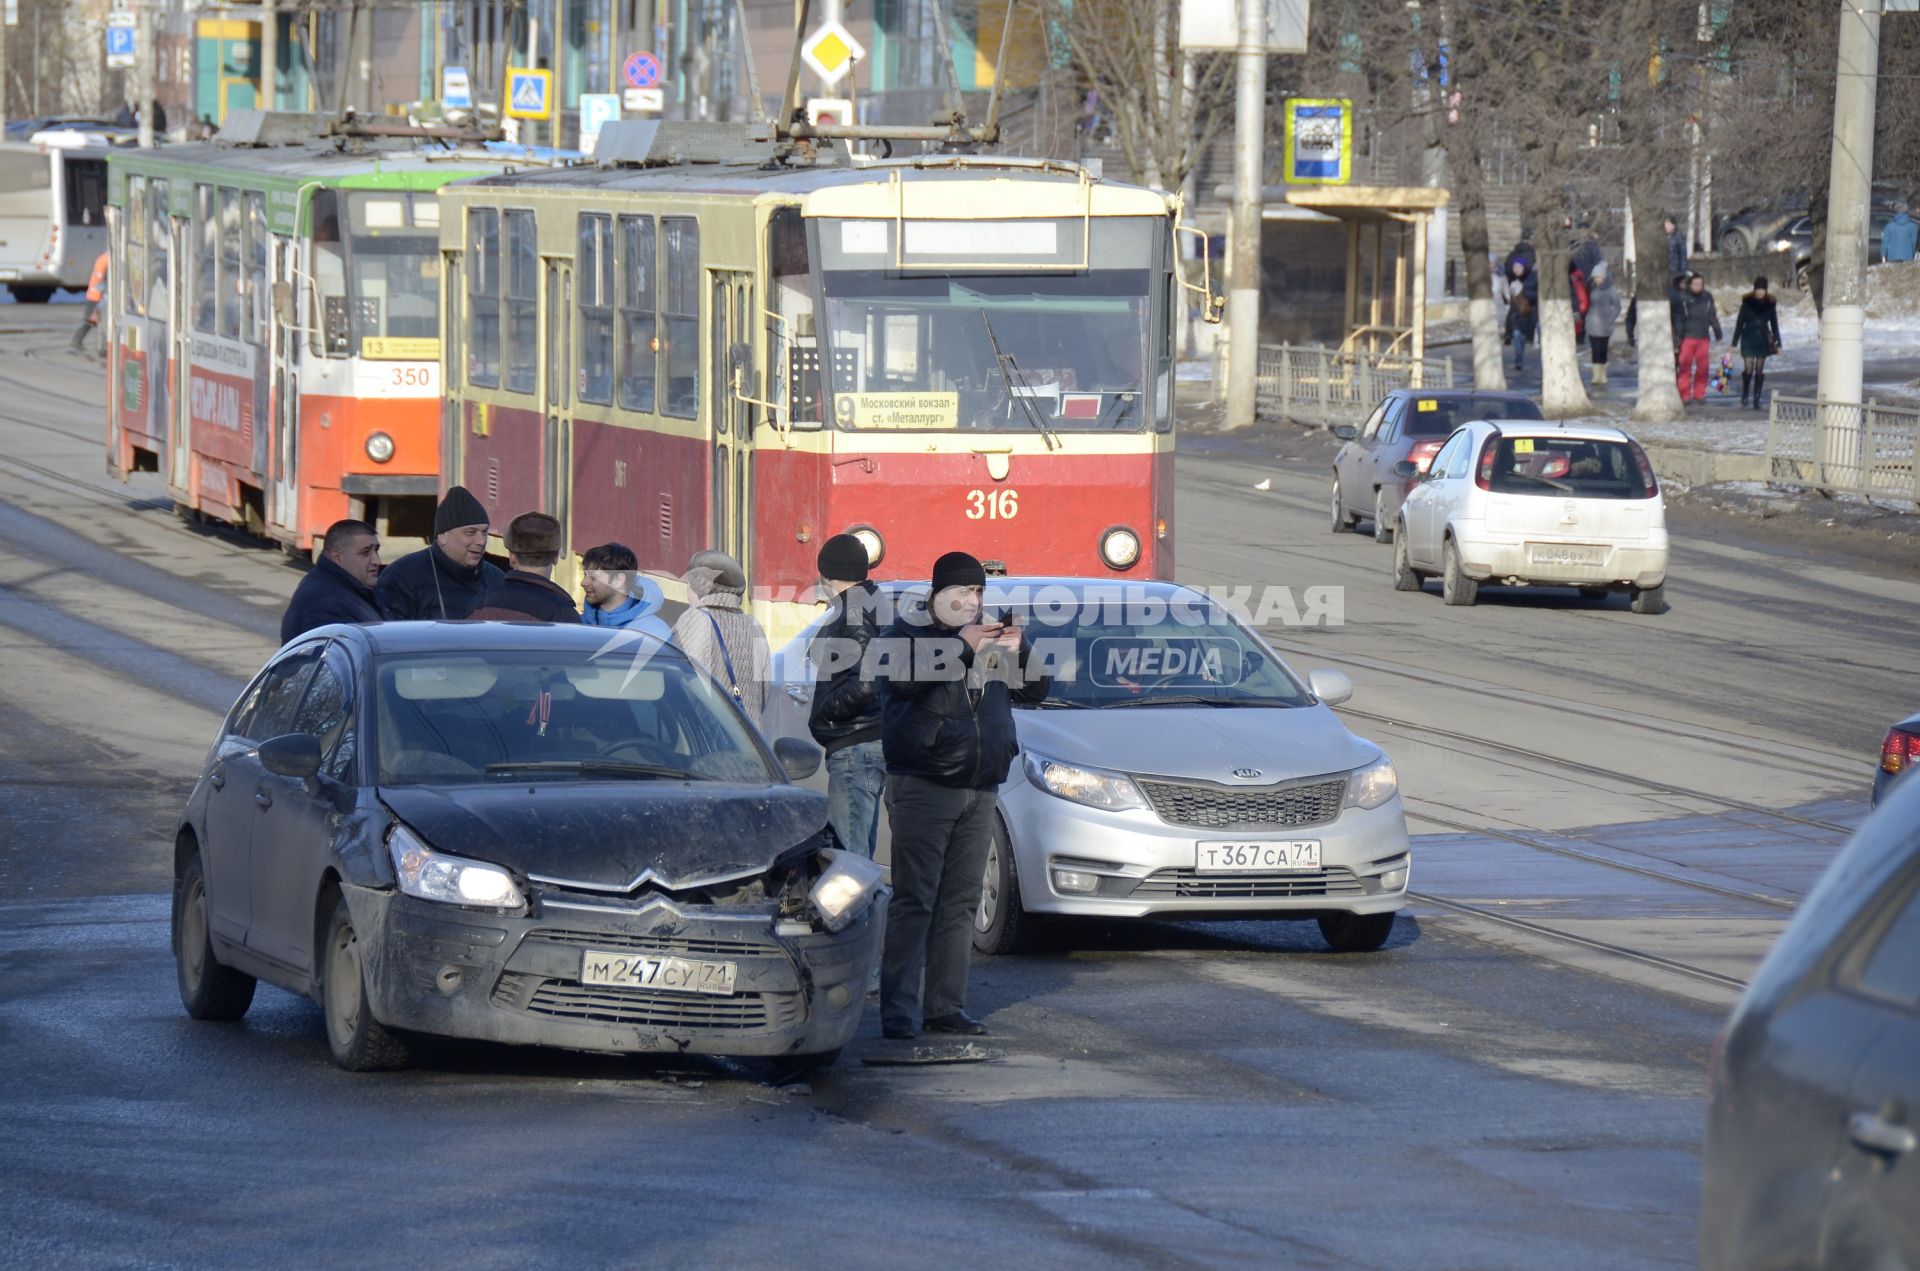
527 592
946 726
340 587
446 578
846 701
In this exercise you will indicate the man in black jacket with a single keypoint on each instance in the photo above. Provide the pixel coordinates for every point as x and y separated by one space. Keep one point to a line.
527 591
946 725
340 587
446 578
846 703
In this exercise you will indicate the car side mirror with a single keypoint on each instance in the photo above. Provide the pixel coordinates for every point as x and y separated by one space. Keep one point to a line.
294 755
1331 687
1346 432
1408 469
799 758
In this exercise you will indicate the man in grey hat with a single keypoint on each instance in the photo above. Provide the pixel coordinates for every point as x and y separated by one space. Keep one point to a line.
447 578
717 633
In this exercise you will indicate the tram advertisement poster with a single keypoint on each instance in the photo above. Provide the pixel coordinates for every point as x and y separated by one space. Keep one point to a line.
220 398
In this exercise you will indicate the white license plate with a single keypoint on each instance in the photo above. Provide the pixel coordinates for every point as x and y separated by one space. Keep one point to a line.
1565 554
1256 858
666 975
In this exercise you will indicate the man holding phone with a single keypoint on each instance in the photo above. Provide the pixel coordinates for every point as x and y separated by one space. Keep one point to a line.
947 733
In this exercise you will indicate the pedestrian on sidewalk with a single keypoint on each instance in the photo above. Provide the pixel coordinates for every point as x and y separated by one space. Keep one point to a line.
947 731
447 577
96 292
1900 237
1522 292
1756 330
339 587
527 592
846 701
1699 326
1523 252
1676 297
1603 310
618 594
717 633
1676 247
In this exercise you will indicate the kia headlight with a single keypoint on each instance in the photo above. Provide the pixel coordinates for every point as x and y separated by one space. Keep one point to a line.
451 880
1095 789
846 889
1373 785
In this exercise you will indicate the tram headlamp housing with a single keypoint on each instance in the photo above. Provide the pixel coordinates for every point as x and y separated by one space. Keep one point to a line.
871 540
1120 548
379 447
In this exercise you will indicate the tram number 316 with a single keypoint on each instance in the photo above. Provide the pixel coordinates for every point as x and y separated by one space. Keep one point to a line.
993 505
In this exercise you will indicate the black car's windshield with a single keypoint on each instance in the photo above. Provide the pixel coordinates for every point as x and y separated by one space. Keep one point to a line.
556 715
1439 416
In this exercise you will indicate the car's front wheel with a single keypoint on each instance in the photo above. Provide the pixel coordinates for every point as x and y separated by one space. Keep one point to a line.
1405 577
1455 587
1650 599
359 1042
207 989
1001 924
1355 933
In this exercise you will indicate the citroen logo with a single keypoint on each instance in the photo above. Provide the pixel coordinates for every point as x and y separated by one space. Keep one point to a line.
1246 774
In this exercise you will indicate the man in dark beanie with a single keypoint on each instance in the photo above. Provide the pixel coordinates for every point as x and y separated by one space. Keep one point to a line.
946 725
527 592
846 704
446 578
339 588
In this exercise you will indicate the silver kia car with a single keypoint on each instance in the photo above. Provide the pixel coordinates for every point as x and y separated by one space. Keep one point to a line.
1178 768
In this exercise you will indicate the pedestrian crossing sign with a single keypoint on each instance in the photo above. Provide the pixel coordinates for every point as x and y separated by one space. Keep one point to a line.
529 93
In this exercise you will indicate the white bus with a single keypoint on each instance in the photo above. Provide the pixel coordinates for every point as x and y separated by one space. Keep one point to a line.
53 201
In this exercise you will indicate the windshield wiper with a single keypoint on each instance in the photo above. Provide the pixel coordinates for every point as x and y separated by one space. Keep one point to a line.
1051 704
1004 361
597 768
1177 699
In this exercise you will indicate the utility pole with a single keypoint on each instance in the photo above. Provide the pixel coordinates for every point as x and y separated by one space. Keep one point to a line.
11 10
1249 164
1849 196
143 72
270 53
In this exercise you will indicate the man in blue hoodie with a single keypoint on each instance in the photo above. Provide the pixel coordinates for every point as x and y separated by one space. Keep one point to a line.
618 594
1898 239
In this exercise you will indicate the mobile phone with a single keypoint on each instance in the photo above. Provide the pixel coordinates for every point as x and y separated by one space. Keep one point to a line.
1002 618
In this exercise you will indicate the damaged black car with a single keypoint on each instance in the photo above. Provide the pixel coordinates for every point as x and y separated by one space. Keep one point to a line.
519 833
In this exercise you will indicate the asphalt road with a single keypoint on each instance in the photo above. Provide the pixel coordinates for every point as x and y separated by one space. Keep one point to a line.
1617 813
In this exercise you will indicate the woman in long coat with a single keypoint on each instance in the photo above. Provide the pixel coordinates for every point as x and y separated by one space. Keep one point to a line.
1757 332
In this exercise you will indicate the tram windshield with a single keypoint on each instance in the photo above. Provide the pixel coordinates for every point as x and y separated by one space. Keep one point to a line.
1006 325
394 244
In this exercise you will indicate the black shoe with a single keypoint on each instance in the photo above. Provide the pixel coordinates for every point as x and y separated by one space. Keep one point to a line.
958 1022
898 1030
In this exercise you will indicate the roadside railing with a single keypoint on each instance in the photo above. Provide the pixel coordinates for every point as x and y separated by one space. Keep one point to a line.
1327 386
1844 447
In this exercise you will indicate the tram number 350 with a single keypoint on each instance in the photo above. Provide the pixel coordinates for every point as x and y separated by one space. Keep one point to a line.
993 505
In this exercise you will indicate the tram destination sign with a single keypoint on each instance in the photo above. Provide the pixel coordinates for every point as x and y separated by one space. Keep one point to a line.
898 410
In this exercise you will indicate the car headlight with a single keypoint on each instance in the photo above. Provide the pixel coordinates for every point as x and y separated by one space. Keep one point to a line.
1120 548
379 447
451 880
1096 789
1373 785
844 891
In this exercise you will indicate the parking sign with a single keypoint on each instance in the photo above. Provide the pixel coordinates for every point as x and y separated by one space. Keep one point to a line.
121 40
596 109
1319 141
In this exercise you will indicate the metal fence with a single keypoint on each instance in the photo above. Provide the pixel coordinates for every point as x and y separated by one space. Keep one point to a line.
1844 447
1328 386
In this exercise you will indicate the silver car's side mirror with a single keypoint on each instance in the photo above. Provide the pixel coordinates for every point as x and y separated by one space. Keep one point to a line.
1346 432
1407 469
1331 687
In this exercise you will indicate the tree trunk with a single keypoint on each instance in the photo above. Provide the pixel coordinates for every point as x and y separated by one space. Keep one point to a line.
1483 312
1817 194
1562 396
1658 400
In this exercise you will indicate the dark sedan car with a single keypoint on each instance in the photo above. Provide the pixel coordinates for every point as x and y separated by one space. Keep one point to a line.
522 833
1811 1156
1410 424
1899 753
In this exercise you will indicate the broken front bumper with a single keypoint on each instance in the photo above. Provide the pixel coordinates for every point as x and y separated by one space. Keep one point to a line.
453 972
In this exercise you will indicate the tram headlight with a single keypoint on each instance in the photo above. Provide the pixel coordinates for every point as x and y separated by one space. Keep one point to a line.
1120 548
871 540
379 447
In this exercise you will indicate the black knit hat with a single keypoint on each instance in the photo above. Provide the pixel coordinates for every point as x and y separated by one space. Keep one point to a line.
843 559
457 509
957 569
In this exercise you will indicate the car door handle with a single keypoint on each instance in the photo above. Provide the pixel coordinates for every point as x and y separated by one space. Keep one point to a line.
263 797
1872 1132
217 779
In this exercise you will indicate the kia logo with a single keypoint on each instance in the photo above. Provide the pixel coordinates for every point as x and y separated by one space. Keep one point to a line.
1246 774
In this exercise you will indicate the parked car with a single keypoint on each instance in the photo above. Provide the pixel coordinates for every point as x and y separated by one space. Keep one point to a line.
1535 504
1900 753
1811 1157
517 833
1797 238
1413 424
1178 768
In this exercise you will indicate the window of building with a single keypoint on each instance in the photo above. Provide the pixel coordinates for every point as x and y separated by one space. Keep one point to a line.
522 352
680 316
206 264
483 297
593 268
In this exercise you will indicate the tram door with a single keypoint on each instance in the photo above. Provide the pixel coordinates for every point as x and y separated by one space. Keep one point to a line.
730 312
557 368
179 337
283 394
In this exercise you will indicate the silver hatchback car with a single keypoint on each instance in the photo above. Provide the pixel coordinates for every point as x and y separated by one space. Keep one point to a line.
1178 768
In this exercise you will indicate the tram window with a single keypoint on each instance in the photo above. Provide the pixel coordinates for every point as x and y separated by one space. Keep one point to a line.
86 191
639 358
206 240
159 249
483 297
523 304
681 316
257 293
134 224
232 291
594 272
330 331
794 359
395 245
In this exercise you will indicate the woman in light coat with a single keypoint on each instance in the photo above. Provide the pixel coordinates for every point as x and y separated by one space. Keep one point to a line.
1603 310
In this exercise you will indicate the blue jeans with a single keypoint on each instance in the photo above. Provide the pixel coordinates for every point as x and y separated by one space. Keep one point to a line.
1519 349
856 775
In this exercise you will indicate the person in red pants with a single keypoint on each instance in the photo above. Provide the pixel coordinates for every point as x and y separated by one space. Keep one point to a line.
1697 323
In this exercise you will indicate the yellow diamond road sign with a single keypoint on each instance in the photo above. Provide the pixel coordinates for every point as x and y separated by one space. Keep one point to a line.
831 51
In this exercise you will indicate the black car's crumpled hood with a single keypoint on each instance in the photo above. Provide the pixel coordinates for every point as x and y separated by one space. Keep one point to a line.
612 833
